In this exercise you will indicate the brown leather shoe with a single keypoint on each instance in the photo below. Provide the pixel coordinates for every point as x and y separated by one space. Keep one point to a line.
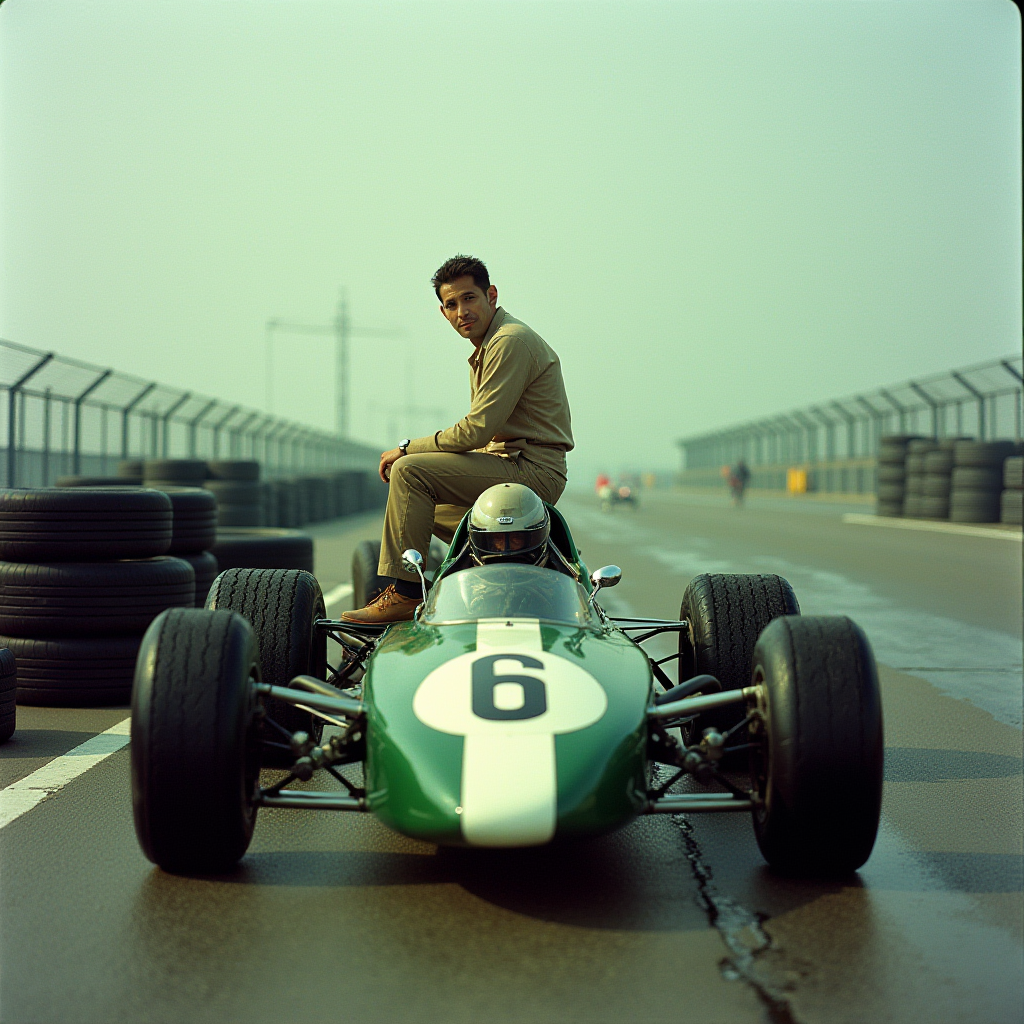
387 606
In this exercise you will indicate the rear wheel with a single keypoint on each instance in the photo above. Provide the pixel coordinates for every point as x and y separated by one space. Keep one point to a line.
195 740
817 768
366 584
726 614
282 605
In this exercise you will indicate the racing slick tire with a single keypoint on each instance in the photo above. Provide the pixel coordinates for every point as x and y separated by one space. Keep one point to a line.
195 740
366 584
727 613
282 605
817 766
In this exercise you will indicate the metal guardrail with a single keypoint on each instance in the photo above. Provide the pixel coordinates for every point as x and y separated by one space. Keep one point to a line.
838 440
64 416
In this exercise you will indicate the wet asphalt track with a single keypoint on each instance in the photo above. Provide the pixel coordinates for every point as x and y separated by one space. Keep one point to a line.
333 917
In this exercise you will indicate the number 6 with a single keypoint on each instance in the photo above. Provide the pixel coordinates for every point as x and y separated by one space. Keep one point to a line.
535 701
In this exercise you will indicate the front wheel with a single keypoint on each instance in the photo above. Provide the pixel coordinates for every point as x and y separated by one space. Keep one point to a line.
817 764
195 740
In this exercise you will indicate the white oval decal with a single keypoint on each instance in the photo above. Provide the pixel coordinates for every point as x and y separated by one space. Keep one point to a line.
509 705
514 692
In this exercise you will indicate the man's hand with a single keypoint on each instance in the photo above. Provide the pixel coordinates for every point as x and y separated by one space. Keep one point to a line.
387 460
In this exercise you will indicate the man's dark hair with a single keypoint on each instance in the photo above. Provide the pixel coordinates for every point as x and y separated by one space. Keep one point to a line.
460 266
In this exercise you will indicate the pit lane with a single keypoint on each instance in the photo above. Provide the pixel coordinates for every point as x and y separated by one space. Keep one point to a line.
668 920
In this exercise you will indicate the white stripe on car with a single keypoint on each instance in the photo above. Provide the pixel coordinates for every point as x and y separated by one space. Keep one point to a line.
509 698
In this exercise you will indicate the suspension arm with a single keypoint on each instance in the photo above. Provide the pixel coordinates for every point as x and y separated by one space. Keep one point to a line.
347 707
317 801
695 705
688 803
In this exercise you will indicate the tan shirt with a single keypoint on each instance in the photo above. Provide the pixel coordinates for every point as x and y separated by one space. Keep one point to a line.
518 404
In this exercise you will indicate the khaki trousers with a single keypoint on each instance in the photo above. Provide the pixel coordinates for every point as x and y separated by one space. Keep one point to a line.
431 492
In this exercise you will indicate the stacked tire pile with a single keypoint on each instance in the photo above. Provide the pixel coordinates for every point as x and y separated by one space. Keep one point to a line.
283 504
913 496
84 574
936 481
240 495
131 471
243 501
163 473
194 534
8 688
265 547
976 483
1011 509
129 474
314 499
892 473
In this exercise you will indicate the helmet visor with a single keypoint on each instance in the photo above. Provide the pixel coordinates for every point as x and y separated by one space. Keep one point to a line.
512 542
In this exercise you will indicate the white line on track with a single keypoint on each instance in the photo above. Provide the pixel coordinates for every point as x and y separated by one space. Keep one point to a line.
337 594
861 519
21 796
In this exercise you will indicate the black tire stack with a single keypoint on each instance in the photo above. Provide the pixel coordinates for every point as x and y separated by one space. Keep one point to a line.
8 688
84 575
163 473
935 484
265 547
194 534
283 510
94 481
293 502
892 473
1011 509
976 484
917 451
240 496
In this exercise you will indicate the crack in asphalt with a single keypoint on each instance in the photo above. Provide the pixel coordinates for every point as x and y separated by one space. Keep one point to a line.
740 930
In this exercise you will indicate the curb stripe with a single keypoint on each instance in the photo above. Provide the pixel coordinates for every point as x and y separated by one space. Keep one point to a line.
21 796
931 526
337 594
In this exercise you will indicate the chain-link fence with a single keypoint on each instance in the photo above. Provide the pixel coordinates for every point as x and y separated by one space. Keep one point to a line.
836 442
62 416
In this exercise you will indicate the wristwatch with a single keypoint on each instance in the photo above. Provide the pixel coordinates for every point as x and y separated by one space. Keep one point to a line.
403 446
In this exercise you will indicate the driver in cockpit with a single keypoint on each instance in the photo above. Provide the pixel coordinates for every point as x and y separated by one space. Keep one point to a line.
508 526
508 523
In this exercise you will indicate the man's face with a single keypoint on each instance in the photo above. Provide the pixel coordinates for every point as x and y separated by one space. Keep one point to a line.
467 308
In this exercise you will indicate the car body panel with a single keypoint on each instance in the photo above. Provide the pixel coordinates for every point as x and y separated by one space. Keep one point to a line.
442 767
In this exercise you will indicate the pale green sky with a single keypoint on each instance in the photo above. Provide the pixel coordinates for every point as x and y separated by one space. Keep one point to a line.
711 210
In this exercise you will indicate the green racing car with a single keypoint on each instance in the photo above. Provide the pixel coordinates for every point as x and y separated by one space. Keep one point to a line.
512 711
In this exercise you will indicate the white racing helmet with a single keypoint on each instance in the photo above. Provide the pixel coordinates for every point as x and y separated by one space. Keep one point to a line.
509 523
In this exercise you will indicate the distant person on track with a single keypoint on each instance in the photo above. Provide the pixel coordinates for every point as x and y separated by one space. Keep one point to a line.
739 475
517 430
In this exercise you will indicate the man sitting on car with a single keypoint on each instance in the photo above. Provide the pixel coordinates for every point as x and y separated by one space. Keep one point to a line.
517 430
